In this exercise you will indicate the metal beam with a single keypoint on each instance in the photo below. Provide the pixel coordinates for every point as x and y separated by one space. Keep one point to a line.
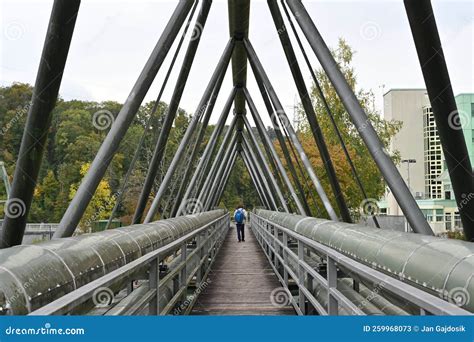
231 148
257 177
435 72
361 121
259 72
107 150
263 163
171 113
209 150
48 80
197 145
254 181
309 110
259 172
203 193
225 179
267 141
218 73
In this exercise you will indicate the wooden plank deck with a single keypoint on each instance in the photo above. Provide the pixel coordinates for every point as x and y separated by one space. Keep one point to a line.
241 281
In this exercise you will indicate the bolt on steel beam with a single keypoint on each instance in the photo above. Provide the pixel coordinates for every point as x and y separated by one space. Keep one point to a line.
388 169
259 72
107 150
440 92
309 110
45 93
220 69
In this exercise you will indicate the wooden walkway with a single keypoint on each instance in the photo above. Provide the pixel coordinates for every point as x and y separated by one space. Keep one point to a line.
241 281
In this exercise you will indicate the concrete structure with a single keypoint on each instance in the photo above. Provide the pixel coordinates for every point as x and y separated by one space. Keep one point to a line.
406 105
418 139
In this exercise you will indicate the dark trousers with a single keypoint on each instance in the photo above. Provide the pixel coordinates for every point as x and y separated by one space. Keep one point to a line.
240 231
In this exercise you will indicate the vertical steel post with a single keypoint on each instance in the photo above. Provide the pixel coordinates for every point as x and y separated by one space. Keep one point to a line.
361 121
171 113
309 110
259 72
220 69
48 80
436 75
120 126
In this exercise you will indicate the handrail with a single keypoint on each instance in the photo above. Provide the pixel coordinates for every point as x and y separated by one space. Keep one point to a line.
73 299
428 303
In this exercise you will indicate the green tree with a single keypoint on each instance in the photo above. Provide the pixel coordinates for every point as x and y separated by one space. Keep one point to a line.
366 167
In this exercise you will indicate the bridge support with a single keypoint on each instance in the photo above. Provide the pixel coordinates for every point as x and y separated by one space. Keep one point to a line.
267 141
448 120
45 94
229 137
259 72
361 121
204 162
170 114
309 110
251 141
215 79
255 181
124 118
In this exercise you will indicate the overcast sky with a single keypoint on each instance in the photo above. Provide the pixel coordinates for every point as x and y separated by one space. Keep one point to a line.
113 40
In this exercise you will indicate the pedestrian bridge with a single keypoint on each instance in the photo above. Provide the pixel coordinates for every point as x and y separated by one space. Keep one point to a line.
292 263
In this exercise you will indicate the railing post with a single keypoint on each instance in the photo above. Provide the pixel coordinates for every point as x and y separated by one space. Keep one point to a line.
276 247
285 257
183 274
301 274
332 284
154 305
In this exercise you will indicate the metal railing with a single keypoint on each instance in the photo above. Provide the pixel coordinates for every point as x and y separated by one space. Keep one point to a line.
276 241
201 244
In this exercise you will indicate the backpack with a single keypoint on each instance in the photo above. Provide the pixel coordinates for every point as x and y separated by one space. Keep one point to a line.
239 216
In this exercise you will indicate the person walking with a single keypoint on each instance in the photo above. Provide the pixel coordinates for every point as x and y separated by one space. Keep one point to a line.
240 215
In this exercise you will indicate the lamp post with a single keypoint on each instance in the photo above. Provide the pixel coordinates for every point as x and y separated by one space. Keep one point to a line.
408 162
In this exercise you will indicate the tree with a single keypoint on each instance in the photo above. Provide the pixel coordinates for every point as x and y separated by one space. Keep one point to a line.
366 167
